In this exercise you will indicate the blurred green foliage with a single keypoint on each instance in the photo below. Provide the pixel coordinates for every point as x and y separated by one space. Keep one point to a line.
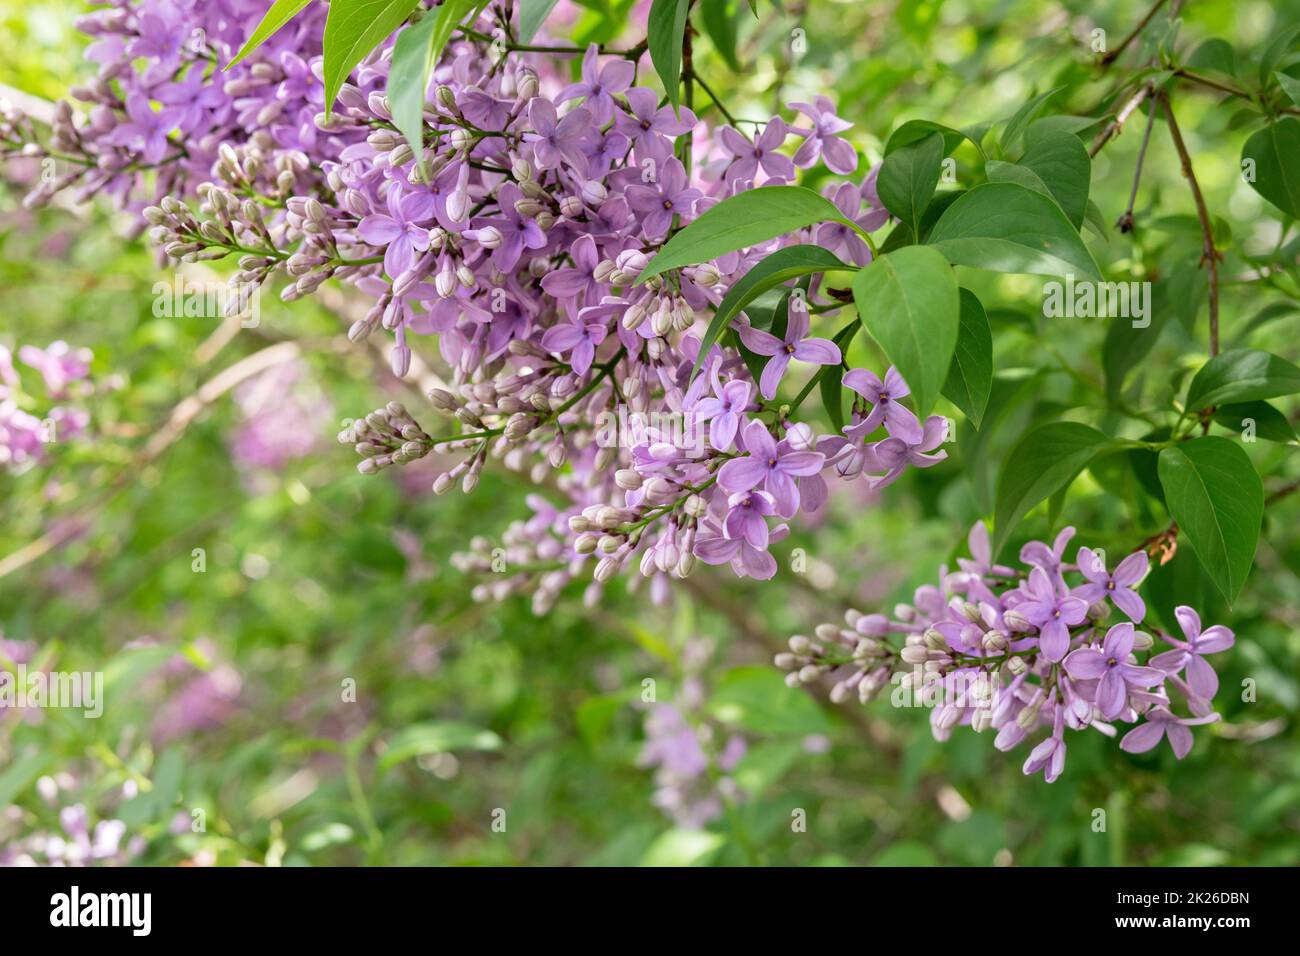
463 710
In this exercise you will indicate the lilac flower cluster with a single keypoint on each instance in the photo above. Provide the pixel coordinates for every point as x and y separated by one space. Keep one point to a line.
691 759
24 437
283 413
516 242
1023 651
75 842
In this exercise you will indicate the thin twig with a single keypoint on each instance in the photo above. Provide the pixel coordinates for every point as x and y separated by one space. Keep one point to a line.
1115 125
1115 54
1125 223
1209 254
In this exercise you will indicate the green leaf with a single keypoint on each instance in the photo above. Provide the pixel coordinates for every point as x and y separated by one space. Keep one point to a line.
719 20
414 53
908 301
1290 86
785 264
1043 462
1005 227
1061 161
1241 375
1270 424
1023 117
281 12
665 31
757 699
913 131
1127 345
743 220
21 772
682 847
1214 54
532 13
908 177
1217 499
1274 151
970 376
441 736
352 29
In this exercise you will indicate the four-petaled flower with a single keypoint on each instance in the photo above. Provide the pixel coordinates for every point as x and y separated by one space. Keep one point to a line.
1109 665
599 84
771 465
1052 612
794 345
1201 677
759 152
1119 587
885 409
821 141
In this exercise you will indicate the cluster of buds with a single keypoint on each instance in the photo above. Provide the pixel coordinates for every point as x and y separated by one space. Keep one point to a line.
387 436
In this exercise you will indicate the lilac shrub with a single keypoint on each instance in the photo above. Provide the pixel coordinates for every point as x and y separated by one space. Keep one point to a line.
1022 651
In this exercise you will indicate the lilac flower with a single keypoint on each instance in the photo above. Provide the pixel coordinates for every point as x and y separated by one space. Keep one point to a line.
1053 612
714 547
200 105
885 409
1110 667
59 364
1049 756
657 203
814 351
147 131
1119 587
746 514
1049 559
773 466
725 411
577 286
300 81
577 338
837 236
821 141
1162 723
401 230
762 152
878 214
555 139
599 85
648 122
1188 654
894 454
514 232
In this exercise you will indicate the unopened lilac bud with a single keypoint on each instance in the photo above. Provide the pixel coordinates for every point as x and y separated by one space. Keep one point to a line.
489 237
526 86
400 360
606 568
571 206
594 192
1016 621
1142 641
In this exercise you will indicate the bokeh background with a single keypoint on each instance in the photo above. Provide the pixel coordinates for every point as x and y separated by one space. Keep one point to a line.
292 659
